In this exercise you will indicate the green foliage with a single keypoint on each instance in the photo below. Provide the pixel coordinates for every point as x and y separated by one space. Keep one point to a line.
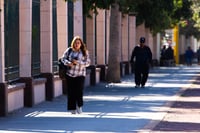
154 14
189 29
157 15
93 5
192 24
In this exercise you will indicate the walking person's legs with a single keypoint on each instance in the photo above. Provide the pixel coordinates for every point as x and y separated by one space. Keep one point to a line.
79 95
71 94
137 77
145 75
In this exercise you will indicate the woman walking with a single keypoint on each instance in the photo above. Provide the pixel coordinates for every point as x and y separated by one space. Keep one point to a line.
77 58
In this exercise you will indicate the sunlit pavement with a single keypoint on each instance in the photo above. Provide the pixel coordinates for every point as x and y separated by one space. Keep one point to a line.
108 108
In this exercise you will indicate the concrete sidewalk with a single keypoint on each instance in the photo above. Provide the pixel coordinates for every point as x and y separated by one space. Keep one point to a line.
183 116
117 108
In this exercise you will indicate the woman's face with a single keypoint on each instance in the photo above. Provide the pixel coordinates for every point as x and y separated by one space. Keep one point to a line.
77 44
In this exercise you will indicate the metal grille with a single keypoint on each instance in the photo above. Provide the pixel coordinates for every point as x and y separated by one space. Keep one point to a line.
35 66
55 42
11 16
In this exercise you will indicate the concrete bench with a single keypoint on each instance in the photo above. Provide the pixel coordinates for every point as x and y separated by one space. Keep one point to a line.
103 72
39 94
87 78
58 86
98 71
11 97
15 97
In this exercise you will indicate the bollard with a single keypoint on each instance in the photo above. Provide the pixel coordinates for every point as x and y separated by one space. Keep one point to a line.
28 91
3 99
49 85
92 74
102 72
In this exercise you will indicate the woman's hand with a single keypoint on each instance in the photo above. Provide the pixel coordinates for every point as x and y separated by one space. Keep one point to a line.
74 62
70 65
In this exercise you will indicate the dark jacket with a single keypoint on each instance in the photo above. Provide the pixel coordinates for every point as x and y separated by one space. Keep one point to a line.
169 53
189 54
142 55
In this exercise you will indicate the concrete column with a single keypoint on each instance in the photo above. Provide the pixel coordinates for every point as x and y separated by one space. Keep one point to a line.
107 33
124 49
195 45
46 43
182 44
78 18
90 38
182 48
132 34
62 26
2 43
25 46
100 36
158 46
149 42
25 33
46 36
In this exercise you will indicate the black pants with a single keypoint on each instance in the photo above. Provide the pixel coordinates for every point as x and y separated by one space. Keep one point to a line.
75 86
141 74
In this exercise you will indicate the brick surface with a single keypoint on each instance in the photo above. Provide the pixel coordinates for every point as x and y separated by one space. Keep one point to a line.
184 114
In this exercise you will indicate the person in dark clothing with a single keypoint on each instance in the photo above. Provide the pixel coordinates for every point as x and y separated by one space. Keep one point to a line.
163 55
189 54
169 57
169 53
143 56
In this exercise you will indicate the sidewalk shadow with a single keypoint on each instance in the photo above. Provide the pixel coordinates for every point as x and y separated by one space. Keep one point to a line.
191 93
186 105
177 127
180 109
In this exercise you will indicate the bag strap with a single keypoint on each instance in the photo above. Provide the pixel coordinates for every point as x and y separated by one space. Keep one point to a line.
68 52
61 59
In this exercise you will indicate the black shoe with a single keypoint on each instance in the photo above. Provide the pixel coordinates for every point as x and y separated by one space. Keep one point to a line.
73 111
137 86
142 86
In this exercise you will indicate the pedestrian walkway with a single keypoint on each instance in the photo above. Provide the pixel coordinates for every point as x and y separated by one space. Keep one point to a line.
117 107
183 116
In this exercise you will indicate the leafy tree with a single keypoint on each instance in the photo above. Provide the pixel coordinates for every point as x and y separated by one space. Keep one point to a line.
188 29
159 15
191 26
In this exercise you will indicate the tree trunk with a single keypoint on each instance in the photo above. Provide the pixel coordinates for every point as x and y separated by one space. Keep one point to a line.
113 73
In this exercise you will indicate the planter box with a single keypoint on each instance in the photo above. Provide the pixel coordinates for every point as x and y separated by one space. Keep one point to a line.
87 78
39 90
15 97
98 70
58 90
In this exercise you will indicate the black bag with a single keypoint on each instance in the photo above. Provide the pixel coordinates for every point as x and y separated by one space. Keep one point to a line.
62 68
